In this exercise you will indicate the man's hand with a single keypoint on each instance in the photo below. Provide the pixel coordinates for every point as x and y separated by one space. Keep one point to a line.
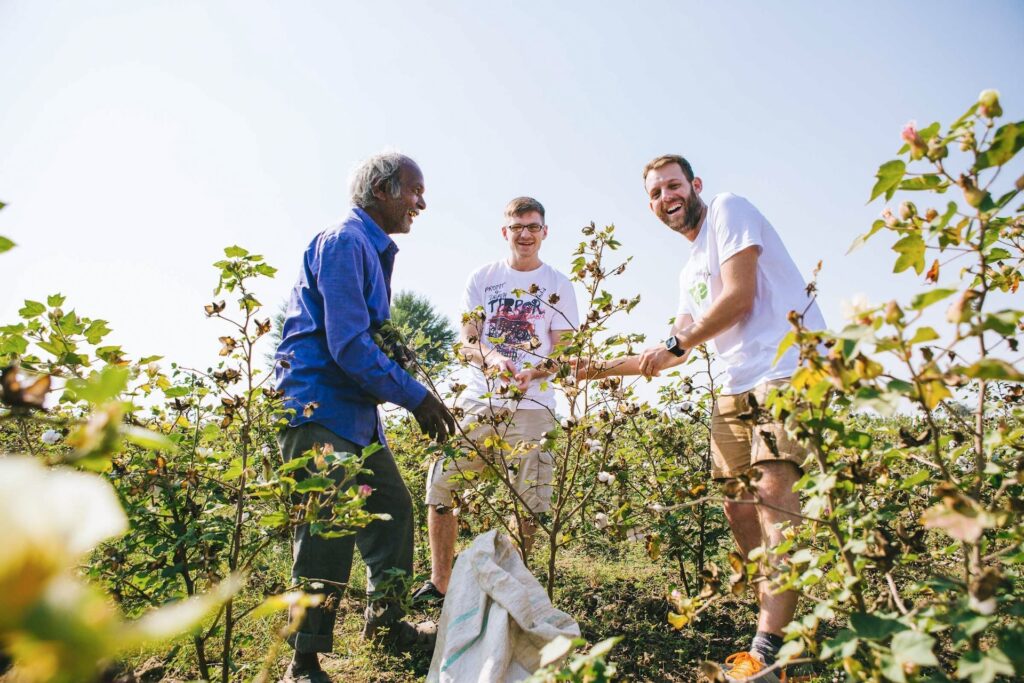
523 378
654 360
434 419
502 368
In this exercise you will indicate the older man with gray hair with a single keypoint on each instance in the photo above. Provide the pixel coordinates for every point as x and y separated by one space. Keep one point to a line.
334 376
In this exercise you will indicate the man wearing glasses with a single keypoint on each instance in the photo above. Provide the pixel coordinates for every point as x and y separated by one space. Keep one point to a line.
515 312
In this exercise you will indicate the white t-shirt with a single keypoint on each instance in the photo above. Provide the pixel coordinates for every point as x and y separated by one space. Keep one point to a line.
521 309
747 349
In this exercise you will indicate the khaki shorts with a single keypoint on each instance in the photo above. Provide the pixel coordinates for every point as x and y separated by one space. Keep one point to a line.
523 434
737 444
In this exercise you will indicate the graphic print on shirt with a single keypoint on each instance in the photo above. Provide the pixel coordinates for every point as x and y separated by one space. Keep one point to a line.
512 319
699 287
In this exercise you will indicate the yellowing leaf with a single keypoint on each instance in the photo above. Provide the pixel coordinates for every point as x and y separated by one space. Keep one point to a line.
678 621
933 392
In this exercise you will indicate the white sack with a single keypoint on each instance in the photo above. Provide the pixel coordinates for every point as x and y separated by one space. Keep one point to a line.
496 617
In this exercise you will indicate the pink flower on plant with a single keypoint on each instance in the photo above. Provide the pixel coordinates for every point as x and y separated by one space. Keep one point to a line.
365 490
914 140
910 134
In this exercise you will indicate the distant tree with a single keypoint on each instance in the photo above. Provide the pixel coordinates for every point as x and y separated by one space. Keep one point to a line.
429 333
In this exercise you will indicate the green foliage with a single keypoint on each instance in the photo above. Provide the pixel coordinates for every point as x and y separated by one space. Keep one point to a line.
912 531
429 333
192 457
559 663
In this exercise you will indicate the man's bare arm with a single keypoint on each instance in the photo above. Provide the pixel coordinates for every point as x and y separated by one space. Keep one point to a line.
629 365
739 287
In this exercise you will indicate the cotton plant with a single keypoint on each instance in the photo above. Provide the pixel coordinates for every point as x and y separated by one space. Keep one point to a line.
57 627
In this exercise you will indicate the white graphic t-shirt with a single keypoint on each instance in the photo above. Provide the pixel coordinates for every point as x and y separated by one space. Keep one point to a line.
747 349
521 309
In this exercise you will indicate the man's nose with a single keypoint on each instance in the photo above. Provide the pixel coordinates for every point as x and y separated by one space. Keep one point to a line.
421 204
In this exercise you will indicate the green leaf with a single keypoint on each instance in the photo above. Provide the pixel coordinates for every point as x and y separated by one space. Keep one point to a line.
844 644
922 335
994 368
274 520
6 244
870 627
604 647
314 484
1007 141
55 300
784 345
13 344
929 131
294 464
235 252
100 387
913 480
177 391
1003 322
914 647
234 470
889 176
96 331
148 439
911 251
983 667
948 216
556 650
856 439
892 670
31 309
923 301
929 181
861 239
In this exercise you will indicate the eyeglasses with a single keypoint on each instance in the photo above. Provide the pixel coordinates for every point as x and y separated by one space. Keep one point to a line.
532 227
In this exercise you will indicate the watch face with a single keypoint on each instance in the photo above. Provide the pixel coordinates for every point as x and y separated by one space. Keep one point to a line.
671 343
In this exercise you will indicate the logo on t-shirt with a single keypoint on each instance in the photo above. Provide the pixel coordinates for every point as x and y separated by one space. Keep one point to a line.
512 319
699 289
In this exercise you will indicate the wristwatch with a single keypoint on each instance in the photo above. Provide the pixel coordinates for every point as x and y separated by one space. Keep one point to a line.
673 347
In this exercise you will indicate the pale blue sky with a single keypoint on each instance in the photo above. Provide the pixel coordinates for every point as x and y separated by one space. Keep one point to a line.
139 138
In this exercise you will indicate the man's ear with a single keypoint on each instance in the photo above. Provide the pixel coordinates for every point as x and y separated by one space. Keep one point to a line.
697 184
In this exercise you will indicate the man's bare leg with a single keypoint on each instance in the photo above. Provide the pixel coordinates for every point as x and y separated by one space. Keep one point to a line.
746 528
775 488
442 530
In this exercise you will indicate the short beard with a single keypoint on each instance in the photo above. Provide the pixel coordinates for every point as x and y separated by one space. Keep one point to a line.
692 209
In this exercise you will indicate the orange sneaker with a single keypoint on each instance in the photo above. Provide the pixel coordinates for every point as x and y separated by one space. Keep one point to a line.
746 666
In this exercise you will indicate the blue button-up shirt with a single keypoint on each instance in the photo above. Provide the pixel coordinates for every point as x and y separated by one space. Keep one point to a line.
343 292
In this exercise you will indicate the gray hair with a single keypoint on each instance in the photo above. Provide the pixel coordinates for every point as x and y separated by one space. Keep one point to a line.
381 171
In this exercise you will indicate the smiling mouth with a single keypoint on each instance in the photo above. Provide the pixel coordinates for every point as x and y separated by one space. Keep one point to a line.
413 213
674 209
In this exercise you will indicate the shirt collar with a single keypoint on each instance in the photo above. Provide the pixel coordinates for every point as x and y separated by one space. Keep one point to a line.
382 242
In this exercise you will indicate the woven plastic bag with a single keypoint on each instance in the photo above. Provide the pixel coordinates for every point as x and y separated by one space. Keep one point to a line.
496 617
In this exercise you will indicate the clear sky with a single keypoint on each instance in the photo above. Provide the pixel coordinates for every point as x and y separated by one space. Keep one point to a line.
139 138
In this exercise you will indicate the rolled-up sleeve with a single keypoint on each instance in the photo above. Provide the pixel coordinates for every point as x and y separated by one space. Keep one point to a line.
347 274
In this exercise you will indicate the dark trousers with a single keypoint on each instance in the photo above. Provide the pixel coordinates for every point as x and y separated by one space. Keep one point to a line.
384 544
